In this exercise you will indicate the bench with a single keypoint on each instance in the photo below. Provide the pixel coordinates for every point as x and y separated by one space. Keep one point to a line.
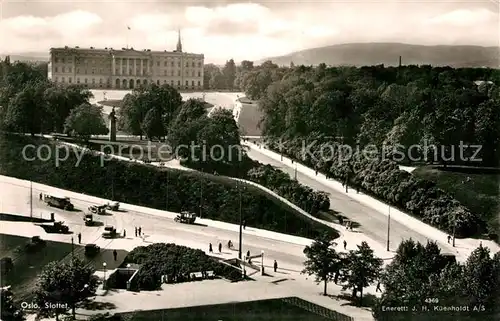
202 275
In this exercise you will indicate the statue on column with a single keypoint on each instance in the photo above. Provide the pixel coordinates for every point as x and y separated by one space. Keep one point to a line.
112 125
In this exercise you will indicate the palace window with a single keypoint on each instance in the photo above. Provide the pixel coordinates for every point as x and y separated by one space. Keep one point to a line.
77 80
178 72
62 79
69 69
85 80
69 80
63 69
56 69
199 73
199 83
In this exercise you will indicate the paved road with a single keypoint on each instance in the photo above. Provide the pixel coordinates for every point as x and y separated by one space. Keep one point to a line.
372 223
15 199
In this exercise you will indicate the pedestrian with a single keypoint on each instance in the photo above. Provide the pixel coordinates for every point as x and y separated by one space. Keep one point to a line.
248 254
136 231
115 254
449 238
244 224
378 287
124 233
316 172
275 266
79 238
345 244
210 248
40 196
139 230
220 247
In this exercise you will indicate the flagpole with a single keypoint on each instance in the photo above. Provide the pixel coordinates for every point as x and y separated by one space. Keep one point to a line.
128 29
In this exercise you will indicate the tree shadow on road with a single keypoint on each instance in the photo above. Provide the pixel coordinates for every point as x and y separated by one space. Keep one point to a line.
95 305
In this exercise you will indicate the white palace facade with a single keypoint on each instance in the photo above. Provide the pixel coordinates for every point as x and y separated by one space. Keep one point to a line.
126 68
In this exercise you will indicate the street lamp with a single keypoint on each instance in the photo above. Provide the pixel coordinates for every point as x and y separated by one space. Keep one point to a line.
104 282
388 227
241 223
262 262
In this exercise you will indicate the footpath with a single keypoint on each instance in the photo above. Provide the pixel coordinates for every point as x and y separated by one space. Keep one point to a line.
463 246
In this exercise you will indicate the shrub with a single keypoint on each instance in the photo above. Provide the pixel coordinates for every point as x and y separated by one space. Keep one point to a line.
174 261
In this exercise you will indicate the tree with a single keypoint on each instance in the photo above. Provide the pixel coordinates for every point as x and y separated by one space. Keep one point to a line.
84 121
362 268
8 309
61 100
322 260
229 72
62 285
165 99
190 110
27 110
482 277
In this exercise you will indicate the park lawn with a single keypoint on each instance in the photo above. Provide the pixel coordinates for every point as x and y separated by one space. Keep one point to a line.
264 310
27 267
481 194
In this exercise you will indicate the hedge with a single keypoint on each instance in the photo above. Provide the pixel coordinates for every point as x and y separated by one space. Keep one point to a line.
154 187
382 179
175 261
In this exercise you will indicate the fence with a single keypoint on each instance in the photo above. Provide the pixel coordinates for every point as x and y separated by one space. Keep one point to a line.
317 309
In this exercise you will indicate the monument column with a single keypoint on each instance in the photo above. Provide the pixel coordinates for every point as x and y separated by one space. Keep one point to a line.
112 126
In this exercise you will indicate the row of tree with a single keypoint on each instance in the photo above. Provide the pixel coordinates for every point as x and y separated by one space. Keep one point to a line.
32 104
312 114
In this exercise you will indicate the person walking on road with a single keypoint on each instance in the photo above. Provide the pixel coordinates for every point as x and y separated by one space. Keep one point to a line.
345 244
275 266
79 238
378 287
40 196
115 254
210 250
449 238
136 231
139 230
244 224
220 247
248 255
124 233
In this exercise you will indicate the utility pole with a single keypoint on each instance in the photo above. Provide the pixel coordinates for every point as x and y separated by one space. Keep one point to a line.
201 192
31 198
241 223
388 227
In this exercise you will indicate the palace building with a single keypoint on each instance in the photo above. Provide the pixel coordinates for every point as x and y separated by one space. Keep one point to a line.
126 68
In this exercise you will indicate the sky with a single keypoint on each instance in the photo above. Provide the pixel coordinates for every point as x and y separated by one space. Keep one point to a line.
241 30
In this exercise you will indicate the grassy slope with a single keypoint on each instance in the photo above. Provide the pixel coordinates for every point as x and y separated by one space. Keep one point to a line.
481 194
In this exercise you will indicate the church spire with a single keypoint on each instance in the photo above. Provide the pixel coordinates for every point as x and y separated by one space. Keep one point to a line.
179 43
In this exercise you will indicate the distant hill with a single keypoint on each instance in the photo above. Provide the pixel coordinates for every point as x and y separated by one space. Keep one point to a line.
28 56
368 54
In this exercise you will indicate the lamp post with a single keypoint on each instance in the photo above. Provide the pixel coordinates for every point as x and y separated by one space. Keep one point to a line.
104 282
455 216
241 223
262 262
388 227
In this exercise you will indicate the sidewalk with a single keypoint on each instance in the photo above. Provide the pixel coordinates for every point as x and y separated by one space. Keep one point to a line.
464 246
